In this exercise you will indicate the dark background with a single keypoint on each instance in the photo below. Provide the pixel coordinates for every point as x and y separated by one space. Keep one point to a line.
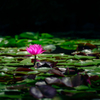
50 16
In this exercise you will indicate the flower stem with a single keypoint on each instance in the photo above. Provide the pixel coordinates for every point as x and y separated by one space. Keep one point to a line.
34 59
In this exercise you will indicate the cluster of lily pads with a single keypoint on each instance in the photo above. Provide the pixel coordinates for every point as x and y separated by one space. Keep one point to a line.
32 72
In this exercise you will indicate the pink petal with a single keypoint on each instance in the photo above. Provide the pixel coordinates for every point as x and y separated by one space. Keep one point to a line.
35 50
88 80
29 50
31 46
42 51
39 50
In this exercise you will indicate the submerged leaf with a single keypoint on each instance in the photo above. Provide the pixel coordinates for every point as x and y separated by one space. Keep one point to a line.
67 81
53 80
47 91
56 72
35 92
82 46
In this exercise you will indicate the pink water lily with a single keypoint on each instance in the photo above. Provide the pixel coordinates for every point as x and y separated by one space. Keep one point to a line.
35 49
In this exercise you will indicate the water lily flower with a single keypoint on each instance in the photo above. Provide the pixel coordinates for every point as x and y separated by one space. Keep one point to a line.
34 50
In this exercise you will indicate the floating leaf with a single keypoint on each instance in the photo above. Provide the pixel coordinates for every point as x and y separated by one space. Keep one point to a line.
56 72
49 48
46 35
82 87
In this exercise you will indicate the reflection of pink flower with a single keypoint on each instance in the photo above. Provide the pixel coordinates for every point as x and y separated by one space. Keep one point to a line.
35 49
88 81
